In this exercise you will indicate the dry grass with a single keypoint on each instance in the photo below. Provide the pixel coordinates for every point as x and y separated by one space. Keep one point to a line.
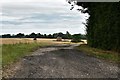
27 40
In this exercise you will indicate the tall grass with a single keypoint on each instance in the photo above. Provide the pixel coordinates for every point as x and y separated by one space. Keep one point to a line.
13 52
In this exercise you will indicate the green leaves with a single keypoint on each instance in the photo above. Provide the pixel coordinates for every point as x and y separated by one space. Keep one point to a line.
76 38
103 26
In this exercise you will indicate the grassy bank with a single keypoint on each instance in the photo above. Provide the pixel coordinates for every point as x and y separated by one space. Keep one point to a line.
13 52
107 55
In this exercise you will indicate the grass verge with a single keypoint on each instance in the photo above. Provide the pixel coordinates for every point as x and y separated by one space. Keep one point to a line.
13 52
107 55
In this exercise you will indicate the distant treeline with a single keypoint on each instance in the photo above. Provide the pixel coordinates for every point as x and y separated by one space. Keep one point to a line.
38 35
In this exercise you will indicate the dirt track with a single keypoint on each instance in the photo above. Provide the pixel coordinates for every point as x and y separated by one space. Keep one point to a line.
62 62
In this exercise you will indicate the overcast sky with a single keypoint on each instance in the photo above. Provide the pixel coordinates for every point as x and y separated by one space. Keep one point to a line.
40 16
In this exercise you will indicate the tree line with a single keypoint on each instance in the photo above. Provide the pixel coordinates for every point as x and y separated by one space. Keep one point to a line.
103 25
38 35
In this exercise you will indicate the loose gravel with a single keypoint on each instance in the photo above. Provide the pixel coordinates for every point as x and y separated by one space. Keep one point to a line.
61 62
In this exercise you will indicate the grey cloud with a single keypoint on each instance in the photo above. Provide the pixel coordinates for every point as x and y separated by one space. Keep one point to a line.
40 17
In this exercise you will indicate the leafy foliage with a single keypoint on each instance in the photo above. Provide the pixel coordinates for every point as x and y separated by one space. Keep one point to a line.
76 38
38 35
103 25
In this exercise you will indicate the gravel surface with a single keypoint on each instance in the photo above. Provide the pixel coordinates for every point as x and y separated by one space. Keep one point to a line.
61 62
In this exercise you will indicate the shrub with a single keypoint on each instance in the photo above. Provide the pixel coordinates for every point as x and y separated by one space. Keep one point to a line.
76 38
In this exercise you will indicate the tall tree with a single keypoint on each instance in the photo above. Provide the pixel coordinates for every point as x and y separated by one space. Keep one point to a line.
103 26
20 35
6 36
33 35
68 35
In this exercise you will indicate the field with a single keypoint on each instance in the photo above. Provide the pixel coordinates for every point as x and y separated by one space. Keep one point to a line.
24 60
27 40
15 48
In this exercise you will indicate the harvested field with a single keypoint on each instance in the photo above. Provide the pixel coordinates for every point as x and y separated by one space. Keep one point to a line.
27 40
